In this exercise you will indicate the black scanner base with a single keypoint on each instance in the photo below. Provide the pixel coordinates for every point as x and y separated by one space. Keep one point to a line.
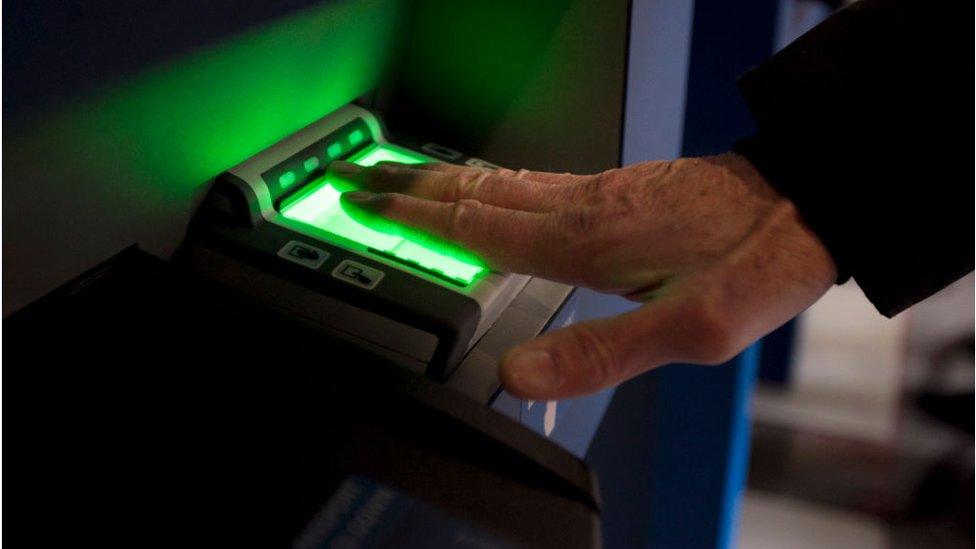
145 407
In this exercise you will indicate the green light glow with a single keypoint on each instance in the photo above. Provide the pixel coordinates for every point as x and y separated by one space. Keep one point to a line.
319 208
388 153
286 179
334 150
355 137
310 164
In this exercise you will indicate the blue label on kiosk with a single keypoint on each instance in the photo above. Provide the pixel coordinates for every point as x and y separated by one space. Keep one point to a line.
365 513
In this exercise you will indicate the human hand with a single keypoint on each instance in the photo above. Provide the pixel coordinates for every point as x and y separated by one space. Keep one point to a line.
717 258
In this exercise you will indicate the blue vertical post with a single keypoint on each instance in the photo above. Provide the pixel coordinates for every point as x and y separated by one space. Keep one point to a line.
672 453
699 464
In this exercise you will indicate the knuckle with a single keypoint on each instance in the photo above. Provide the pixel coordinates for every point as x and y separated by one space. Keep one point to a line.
712 333
666 167
592 185
587 188
612 178
463 217
467 185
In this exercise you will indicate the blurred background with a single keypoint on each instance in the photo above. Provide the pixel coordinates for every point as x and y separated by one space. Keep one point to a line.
862 430
865 438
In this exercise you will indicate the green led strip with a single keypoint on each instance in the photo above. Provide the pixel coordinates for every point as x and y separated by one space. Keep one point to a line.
319 207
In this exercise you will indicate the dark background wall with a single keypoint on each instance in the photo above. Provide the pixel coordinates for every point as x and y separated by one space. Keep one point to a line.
118 113
57 49
525 84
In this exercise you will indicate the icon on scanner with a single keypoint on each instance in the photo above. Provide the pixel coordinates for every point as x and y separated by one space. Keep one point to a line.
355 273
301 252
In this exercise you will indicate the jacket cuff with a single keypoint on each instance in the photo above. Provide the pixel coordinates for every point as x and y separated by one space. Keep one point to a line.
766 162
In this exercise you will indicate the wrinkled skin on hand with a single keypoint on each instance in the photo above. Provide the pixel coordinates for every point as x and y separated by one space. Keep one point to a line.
717 258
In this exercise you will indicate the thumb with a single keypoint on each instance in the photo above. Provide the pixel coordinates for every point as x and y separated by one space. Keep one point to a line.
586 357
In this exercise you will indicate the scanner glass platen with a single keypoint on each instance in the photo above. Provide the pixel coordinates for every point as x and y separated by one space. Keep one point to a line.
318 207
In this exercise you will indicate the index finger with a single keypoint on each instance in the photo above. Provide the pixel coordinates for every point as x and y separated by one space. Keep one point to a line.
549 178
486 186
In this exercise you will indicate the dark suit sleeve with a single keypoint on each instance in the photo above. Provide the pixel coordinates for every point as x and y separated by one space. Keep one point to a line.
866 124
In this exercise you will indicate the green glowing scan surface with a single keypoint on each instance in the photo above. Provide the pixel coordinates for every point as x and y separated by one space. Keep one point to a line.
319 207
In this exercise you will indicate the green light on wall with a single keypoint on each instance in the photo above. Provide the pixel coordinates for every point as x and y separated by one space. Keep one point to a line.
319 207
129 158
